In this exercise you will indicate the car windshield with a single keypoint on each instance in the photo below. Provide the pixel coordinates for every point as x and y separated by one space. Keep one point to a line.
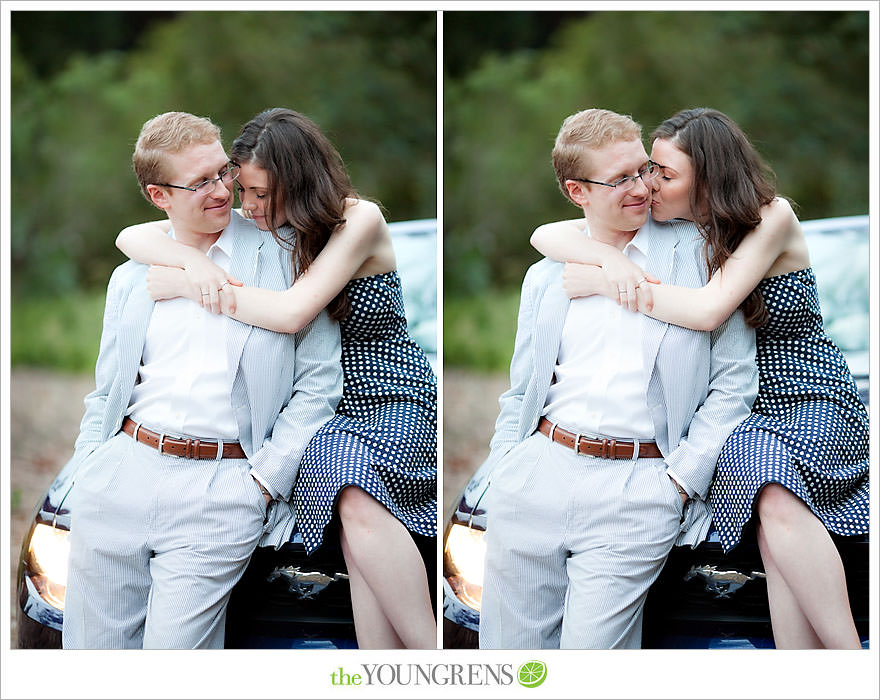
415 247
839 256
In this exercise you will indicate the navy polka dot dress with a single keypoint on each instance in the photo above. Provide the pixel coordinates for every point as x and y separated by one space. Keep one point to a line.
383 437
808 430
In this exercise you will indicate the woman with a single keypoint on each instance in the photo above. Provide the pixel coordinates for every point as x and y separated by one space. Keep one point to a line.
799 463
375 462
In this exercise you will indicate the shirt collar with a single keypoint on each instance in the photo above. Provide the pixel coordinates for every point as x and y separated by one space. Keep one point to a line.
223 244
639 242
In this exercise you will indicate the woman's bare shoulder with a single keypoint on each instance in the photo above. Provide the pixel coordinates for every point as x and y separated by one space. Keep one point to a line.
779 216
781 232
364 220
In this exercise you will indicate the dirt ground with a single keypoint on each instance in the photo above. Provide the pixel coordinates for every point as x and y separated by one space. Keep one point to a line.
470 407
46 409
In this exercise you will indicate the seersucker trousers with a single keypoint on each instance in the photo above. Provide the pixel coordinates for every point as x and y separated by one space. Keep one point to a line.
573 545
157 543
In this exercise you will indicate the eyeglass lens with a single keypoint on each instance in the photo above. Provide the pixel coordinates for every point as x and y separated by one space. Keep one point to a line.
646 174
209 186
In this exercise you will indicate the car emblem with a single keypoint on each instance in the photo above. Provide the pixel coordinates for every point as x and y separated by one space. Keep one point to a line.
305 584
722 584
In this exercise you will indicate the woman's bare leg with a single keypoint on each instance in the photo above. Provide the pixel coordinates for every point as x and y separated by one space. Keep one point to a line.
791 629
372 628
801 551
389 578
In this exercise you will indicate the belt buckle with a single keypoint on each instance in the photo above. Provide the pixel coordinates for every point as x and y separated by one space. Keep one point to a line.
161 443
577 444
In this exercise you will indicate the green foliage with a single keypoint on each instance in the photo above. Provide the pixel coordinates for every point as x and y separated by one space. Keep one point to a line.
479 330
62 332
367 78
468 36
797 82
84 33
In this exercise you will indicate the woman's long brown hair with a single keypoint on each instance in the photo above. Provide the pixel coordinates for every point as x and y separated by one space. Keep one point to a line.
731 184
307 185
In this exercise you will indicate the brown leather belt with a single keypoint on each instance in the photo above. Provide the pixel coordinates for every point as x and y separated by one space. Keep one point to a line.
606 449
182 447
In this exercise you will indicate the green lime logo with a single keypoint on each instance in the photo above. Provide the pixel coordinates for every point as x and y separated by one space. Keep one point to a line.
531 674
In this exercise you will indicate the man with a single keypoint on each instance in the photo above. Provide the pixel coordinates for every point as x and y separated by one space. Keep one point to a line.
576 536
195 423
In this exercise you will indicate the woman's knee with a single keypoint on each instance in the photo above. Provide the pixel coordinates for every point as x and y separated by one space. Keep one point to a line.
355 505
776 504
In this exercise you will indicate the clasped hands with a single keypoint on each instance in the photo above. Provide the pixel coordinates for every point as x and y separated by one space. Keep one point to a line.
200 279
618 278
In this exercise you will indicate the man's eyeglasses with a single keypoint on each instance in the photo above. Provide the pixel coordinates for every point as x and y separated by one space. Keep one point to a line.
647 174
209 185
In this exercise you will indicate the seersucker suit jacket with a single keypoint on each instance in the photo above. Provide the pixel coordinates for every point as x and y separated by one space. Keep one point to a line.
701 385
285 387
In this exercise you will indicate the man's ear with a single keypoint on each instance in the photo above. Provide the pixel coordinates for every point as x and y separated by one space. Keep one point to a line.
159 196
577 192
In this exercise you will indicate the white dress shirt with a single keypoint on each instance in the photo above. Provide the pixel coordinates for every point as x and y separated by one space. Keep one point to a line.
184 383
600 379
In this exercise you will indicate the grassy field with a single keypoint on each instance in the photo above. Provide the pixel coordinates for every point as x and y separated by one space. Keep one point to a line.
478 331
63 333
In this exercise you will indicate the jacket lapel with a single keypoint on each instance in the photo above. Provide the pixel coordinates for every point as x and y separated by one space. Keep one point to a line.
661 263
131 338
245 266
549 322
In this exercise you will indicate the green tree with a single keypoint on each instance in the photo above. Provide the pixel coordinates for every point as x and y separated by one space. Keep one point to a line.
368 78
795 81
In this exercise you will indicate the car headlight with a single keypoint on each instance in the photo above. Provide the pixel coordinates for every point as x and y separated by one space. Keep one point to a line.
463 556
47 563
